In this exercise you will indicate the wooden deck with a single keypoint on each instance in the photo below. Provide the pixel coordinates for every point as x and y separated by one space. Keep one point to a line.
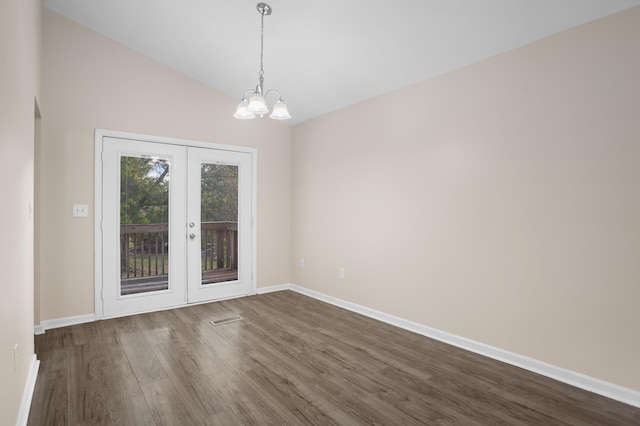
161 282
144 254
219 275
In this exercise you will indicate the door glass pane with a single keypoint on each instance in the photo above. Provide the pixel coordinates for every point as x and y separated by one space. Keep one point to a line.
144 229
219 223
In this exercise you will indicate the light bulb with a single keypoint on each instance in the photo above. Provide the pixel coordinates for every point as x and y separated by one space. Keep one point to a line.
257 105
243 112
280 111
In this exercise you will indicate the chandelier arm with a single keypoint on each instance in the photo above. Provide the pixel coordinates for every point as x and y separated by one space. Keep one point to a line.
273 91
247 93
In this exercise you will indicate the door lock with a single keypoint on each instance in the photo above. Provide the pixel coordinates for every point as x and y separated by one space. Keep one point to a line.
192 236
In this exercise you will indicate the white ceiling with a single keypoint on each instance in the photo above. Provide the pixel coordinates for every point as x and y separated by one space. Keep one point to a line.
322 56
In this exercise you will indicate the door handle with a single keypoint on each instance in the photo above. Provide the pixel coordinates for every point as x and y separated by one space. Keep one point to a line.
192 236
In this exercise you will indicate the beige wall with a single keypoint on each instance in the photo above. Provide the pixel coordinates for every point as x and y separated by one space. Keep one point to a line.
92 82
498 202
19 87
504 209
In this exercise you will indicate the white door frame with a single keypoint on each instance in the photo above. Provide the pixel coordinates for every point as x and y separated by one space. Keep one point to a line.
98 207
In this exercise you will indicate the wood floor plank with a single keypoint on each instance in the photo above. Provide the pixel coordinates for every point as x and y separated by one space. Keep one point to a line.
290 360
145 365
245 402
166 404
51 392
88 371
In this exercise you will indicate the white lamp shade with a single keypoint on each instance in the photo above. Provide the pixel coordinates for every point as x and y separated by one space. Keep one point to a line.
280 111
243 112
257 105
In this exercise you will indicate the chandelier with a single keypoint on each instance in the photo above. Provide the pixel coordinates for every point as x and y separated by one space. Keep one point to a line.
253 102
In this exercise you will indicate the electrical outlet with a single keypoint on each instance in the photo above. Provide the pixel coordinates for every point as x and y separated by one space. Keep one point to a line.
301 262
340 272
80 210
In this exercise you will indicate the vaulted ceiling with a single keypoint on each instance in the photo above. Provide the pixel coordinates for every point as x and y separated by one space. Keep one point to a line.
322 56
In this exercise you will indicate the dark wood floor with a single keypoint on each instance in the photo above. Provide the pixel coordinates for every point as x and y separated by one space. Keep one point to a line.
291 360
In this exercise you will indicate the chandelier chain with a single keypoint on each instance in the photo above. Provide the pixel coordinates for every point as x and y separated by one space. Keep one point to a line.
261 48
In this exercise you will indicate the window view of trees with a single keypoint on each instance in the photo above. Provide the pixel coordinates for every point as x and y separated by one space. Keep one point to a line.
219 195
144 190
144 200
144 218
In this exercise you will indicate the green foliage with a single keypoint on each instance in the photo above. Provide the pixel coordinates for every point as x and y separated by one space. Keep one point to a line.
219 199
144 191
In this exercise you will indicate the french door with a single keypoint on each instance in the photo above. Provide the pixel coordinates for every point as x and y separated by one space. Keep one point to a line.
219 211
176 225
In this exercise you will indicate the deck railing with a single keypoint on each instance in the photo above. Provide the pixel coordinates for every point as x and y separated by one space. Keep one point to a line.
219 245
144 248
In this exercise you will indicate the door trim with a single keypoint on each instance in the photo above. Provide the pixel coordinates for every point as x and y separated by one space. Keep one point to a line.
98 205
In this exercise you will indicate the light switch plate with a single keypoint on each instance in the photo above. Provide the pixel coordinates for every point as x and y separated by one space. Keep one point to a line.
80 210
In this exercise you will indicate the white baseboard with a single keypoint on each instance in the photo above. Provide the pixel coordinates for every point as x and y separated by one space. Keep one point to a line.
62 322
582 381
27 395
273 288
